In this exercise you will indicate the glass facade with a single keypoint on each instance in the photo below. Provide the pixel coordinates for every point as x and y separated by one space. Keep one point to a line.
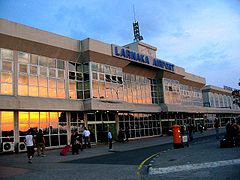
140 124
40 76
79 81
6 126
218 100
173 92
110 82
53 124
6 71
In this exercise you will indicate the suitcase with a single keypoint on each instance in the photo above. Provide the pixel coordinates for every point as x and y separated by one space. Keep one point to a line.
65 150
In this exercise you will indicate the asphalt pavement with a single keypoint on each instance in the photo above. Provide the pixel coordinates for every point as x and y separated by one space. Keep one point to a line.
15 166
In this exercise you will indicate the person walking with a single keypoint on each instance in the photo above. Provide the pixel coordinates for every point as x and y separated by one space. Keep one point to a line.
40 141
75 142
127 134
29 141
86 137
109 140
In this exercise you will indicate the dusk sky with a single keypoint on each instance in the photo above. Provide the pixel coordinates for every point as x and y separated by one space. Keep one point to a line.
202 36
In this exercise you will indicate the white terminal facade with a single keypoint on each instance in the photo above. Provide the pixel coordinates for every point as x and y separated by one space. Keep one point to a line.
59 84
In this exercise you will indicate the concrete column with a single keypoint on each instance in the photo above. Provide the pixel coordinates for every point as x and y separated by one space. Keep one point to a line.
16 130
68 119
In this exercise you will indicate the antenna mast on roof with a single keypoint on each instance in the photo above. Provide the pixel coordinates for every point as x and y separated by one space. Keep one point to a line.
136 31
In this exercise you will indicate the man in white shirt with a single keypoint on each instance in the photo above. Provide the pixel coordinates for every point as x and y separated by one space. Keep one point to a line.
29 141
86 136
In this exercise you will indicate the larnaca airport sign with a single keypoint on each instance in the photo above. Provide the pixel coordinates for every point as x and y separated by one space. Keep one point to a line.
131 55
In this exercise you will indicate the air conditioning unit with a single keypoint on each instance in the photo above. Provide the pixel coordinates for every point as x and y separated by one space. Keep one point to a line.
8 146
22 147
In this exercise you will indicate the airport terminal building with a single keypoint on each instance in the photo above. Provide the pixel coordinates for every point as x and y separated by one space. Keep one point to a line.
59 84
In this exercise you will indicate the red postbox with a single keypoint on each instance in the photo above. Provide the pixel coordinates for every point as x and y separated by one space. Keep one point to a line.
176 136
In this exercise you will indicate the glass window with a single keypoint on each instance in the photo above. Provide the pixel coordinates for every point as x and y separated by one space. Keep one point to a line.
94 67
101 77
86 77
86 94
52 63
94 75
79 76
79 67
33 80
6 66
60 84
6 88
52 83
23 68
85 67
33 91
34 70
7 54
6 77
72 86
43 92
52 92
71 66
60 74
79 85
34 59
23 57
60 64
108 78
72 75
43 82
61 93
86 85
23 79
43 71
43 61
22 90
80 94
52 72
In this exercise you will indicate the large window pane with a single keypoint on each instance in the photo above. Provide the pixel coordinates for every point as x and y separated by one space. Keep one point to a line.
71 66
43 71
6 89
60 84
23 57
33 90
43 92
23 79
6 77
33 70
52 93
34 59
43 61
43 82
7 117
23 117
60 64
7 54
61 93
22 90
52 83
6 66
33 80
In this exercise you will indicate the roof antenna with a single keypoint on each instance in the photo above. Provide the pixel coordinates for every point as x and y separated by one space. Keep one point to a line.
136 31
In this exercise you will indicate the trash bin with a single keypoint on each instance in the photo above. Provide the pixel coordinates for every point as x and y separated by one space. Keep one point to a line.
177 141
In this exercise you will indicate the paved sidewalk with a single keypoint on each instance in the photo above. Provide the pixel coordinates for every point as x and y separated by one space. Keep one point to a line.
12 165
